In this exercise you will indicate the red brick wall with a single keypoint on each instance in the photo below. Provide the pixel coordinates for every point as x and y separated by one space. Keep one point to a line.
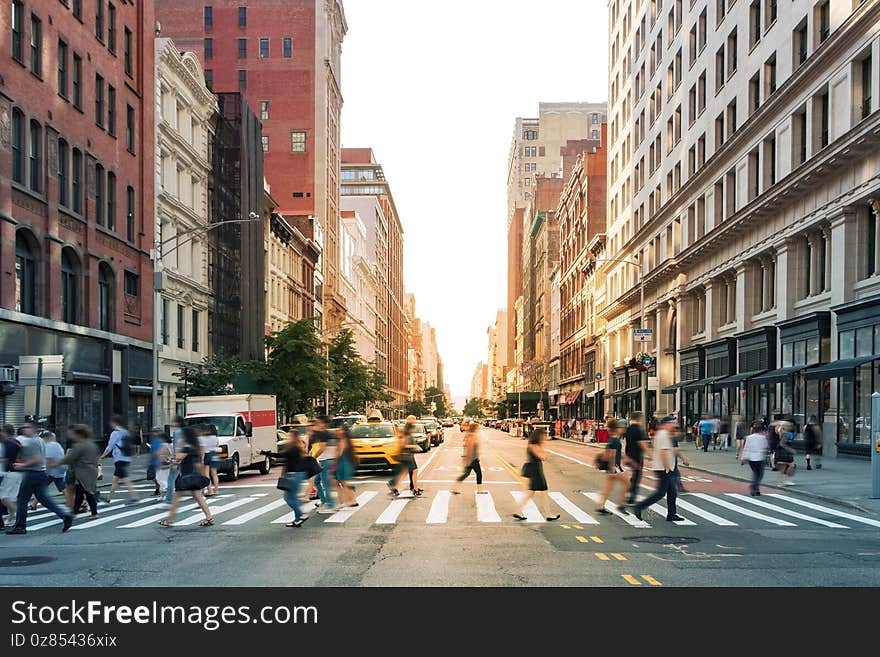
288 84
54 227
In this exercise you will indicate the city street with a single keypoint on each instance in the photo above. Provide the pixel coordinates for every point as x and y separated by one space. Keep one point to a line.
726 539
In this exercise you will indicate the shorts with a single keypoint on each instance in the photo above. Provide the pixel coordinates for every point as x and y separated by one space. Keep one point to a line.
120 469
209 459
9 485
69 478
344 470
59 483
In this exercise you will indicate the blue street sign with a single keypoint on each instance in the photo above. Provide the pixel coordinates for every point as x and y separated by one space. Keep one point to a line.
647 361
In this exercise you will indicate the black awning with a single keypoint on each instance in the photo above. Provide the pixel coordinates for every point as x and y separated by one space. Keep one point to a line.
696 385
735 379
628 391
670 390
778 376
838 368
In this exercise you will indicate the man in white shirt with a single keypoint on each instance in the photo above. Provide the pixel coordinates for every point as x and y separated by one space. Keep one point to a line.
663 464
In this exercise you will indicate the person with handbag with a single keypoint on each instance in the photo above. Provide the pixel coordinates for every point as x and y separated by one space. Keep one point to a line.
406 460
188 459
346 466
609 460
164 455
293 454
82 457
533 471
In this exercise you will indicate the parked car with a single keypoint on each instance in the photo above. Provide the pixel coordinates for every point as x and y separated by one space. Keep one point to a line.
448 422
422 436
435 431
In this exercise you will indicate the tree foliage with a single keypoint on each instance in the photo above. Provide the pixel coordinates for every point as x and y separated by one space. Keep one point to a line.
474 407
416 407
353 384
296 367
436 395
213 376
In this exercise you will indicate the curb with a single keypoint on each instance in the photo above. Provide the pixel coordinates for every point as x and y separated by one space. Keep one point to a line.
807 493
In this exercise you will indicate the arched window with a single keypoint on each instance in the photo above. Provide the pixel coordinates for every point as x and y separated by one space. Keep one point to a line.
63 172
18 146
69 286
105 297
25 275
35 159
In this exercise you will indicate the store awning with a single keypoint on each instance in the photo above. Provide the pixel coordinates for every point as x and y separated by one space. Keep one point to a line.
573 397
87 377
838 368
701 383
670 390
595 392
778 376
628 391
734 380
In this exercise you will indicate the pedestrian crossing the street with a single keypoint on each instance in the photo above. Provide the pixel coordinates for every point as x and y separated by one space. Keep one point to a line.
238 508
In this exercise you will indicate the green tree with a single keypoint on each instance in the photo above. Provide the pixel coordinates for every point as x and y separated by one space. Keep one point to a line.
353 384
295 367
436 395
378 392
474 407
213 376
416 407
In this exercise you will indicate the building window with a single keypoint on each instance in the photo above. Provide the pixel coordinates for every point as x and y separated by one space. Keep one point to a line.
754 22
242 48
242 16
209 79
209 17
163 322
594 134
36 46
265 140
99 100
99 19
77 81
18 146
264 110
181 327
129 213
111 28
105 295
132 284
63 172
242 80
62 69
821 108
111 200
824 21
69 284
288 47
76 181
298 141
264 48
195 330
76 7
128 50
18 30
25 276
111 110
866 71
129 128
209 48
99 195
35 159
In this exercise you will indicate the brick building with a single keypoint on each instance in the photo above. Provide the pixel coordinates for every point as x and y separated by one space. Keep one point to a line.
76 208
284 57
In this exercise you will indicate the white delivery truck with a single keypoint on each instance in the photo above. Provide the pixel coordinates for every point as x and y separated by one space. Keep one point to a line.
246 425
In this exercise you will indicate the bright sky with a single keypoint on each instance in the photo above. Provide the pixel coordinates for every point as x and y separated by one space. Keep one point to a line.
434 88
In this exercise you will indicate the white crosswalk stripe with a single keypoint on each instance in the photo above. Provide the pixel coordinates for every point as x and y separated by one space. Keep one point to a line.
786 512
570 507
661 510
707 515
828 510
215 511
156 517
344 514
304 508
391 512
256 513
39 515
742 510
439 508
100 521
486 508
531 510
628 517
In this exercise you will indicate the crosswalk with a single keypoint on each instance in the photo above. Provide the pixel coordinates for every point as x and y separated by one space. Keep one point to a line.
236 507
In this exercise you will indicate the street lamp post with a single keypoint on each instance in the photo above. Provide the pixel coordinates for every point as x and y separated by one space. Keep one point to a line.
158 286
636 263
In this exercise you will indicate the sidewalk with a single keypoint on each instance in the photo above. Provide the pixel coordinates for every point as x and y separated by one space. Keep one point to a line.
845 480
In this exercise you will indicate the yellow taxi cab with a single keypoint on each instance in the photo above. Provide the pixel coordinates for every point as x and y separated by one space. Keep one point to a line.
375 443
465 424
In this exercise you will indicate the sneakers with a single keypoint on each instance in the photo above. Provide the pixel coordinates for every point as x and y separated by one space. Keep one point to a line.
637 511
324 511
68 521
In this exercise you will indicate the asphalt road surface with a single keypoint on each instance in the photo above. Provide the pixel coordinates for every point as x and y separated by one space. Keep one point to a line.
726 539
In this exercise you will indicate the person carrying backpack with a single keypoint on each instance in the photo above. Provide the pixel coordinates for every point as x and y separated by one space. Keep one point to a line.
120 447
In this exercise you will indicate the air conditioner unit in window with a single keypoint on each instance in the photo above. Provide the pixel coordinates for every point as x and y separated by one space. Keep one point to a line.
7 375
64 392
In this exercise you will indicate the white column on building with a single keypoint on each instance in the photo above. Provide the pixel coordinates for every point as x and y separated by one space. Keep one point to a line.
812 240
708 310
743 313
786 279
875 216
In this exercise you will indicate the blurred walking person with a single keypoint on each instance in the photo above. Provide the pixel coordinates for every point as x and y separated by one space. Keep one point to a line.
609 462
164 457
637 445
155 446
785 465
406 460
34 482
293 454
740 430
119 446
533 470
754 452
10 480
325 451
54 454
813 442
210 444
346 466
663 464
82 457
707 427
189 458
471 458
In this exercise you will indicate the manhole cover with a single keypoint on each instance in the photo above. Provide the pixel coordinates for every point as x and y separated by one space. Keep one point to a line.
662 540
17 562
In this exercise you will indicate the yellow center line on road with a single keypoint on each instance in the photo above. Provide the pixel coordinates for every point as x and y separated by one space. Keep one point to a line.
578 527
507 465
565 526
596 539
582 539
603 557
632 580
650 580
618 556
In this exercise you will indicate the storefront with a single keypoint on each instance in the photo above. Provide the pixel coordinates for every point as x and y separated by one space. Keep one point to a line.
692 368
720 364
627 392
756 355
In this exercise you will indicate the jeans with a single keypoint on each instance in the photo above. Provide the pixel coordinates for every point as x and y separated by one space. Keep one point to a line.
90 498
172 476
475 467
292 496
634 480
757 474
665 486
706 438
322 482
34 483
